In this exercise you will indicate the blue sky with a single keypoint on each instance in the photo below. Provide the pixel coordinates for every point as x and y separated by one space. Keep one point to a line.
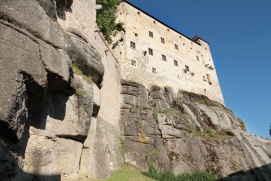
239 34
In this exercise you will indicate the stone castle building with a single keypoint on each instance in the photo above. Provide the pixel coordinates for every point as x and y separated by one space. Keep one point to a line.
153 53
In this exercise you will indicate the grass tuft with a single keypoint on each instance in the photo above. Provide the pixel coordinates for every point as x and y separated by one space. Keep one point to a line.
80 92
78 71
170 176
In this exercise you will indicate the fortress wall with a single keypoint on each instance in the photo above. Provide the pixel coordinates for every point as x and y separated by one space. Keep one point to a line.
138 25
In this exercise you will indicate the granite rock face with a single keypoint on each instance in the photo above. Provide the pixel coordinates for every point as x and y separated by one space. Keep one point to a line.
46 107
188 132
57 124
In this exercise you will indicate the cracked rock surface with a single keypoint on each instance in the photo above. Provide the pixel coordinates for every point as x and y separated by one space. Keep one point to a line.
188 132
46 108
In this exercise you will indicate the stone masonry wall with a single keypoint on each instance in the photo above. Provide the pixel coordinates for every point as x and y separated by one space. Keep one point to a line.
138 25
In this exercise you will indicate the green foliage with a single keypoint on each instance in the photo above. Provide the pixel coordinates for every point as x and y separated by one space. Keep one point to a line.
5 18
106 18
170 176
123 174
151 153
155 115
80 92
241 124
202 101
196 176
78 71
153 173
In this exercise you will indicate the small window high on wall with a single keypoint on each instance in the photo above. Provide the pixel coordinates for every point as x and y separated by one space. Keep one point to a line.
150 34
176 47
133 62
153 70
187 68
197 58
162 40
132 44
176 63
164 57
150 51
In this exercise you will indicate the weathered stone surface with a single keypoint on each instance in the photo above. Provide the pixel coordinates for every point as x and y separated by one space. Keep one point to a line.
87 59
158 97
34 20
58 65
49 6
52 156
193 134
37 83
66 117
106 150
20 64
217 118
167 127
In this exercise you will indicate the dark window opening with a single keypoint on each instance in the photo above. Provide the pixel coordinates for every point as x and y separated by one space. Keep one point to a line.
176 63
186 68
150 51
153 70
176 47
133 62
151 34
164 57
162 40
132 44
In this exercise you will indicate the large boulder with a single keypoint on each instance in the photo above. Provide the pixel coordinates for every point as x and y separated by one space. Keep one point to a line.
87 58
21 67
34 20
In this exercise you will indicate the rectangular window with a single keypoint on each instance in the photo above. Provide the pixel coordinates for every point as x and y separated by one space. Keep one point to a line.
187 68
133 62
150 51
197 58
151 34
176 47
162 40
153 70
132 44
175 63
164 57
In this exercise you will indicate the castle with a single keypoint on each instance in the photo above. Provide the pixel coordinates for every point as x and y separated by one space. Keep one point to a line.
152 53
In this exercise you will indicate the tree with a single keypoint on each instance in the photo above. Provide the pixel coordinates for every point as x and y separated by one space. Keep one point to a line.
106 18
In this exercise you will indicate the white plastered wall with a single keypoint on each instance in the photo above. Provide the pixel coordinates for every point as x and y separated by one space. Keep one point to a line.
137 25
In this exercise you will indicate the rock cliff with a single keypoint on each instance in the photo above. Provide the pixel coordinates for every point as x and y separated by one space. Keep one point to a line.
65 113
188 132
54 125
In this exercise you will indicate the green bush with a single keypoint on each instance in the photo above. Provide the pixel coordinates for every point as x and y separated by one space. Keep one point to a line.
106 18
196 176
169 175
153 173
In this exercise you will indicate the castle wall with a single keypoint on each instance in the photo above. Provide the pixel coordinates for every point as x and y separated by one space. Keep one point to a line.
152 69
